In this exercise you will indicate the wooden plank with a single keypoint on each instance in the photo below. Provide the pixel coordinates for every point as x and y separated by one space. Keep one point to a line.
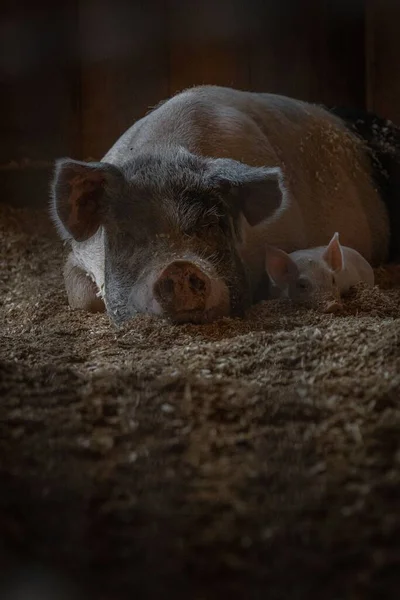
311 50
383 58
281 47
341 69
208 44
124 67
28 187
38 115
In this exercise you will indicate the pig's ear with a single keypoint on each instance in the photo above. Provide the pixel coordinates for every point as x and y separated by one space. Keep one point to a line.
280 267
79 196
333 255
256 192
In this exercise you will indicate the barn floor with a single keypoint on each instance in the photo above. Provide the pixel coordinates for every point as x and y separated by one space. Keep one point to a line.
247 459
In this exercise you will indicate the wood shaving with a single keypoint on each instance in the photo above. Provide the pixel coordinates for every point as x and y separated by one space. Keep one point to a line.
254 458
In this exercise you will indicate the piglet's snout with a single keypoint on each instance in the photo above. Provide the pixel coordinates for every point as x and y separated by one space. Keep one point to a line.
182 287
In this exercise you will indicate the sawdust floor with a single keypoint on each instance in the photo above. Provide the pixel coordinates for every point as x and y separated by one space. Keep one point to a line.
248 459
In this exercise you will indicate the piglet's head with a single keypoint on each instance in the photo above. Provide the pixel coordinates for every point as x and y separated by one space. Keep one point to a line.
306 275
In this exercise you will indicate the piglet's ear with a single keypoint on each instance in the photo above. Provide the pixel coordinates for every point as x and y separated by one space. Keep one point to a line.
333 255
80 195
280 267
256 192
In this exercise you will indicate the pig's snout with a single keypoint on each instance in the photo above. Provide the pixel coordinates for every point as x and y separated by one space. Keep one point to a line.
182 287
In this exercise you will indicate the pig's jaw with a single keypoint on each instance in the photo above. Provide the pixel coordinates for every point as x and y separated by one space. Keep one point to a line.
198 317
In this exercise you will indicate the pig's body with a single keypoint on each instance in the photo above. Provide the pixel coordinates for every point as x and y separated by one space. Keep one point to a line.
327 183
326 171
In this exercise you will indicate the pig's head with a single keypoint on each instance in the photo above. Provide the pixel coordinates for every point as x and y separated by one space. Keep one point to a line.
306 275
172 229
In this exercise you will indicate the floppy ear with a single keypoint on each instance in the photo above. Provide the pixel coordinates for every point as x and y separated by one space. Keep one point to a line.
257 192
280 267
333 255
79 196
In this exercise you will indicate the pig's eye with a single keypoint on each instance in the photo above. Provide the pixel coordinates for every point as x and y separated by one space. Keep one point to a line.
213 226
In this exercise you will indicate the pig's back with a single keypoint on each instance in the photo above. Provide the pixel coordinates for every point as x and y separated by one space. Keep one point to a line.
327 172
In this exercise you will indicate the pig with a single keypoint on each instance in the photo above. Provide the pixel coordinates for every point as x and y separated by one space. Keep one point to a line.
174 219
327 271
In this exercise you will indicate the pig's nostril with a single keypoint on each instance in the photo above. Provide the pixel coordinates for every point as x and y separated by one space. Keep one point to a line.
196 284
168 286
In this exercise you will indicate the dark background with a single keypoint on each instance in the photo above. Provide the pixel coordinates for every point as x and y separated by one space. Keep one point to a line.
75 74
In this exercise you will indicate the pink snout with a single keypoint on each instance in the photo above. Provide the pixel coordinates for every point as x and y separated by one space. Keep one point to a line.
182 287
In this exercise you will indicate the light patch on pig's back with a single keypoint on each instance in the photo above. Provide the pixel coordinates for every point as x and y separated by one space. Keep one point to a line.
328 174
339 194
326 168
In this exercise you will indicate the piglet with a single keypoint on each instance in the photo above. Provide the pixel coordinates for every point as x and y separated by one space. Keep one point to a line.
327 271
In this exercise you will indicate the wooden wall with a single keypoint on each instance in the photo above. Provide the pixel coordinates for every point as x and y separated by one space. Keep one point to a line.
76 73
383 57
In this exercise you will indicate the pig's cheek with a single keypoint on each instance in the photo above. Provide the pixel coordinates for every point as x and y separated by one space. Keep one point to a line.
142 299
219 297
